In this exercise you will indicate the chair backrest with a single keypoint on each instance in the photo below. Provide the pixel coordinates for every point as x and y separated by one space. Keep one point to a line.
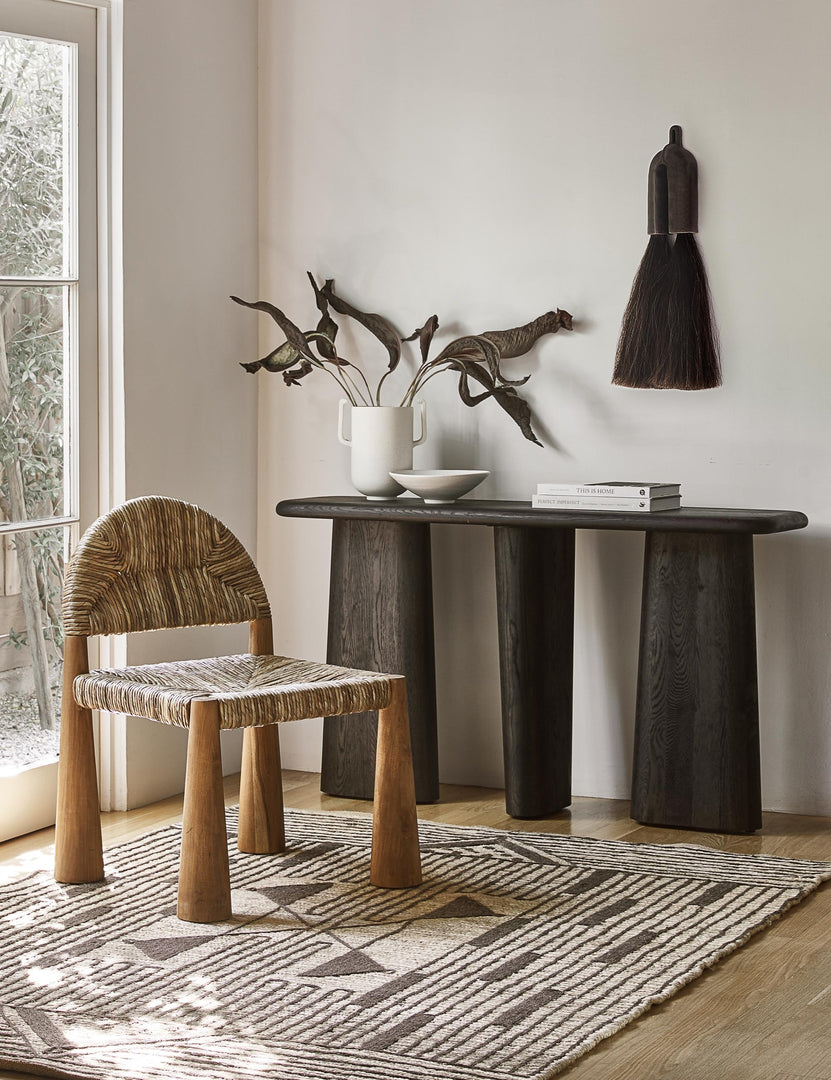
155 562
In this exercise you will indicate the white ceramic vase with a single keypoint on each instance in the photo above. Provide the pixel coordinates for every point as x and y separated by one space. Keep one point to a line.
382 442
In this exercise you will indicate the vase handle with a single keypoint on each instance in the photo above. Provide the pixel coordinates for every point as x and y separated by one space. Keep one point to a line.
422 411
341 437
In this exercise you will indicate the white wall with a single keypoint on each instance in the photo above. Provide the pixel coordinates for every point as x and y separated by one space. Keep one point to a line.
487 161
190 239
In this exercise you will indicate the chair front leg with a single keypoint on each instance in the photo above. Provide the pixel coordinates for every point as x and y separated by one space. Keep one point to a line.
396 859
204 878
78 853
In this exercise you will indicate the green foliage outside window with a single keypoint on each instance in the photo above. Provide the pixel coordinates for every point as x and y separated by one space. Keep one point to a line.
32 378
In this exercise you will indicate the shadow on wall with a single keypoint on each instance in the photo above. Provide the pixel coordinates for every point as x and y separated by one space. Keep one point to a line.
607 608
453 449
793 627
467 656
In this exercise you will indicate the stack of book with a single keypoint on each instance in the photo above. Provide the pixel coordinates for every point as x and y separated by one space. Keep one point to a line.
621 495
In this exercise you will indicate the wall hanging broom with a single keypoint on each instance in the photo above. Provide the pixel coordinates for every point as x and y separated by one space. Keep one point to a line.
668 338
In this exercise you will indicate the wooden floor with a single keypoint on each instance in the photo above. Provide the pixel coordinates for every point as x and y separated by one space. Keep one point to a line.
762 1014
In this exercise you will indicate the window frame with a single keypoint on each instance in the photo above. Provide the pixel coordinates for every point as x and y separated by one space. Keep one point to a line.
110 490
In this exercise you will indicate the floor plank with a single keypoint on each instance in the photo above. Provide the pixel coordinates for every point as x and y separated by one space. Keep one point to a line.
762 1014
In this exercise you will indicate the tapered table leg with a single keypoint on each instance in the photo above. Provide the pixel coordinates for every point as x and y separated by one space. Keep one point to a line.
381 619
535 605
697 724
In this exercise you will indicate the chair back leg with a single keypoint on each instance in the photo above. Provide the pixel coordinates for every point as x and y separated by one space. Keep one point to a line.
261 827
396 859
204 879
78 853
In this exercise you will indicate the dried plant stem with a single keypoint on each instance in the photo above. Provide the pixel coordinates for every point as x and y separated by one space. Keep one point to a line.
346 378
416 383
343 385
423 375
341 365
366 399
380 384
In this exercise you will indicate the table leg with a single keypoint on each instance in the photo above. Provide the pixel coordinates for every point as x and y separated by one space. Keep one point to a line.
381 619
535 605
697 723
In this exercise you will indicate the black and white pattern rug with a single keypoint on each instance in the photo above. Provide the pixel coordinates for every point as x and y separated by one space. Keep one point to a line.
519 953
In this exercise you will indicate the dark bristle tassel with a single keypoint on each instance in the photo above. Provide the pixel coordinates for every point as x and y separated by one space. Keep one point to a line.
693 350
644 328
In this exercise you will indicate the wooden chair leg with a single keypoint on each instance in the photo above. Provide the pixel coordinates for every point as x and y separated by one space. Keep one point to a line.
78 854
396 860
204 878
261 828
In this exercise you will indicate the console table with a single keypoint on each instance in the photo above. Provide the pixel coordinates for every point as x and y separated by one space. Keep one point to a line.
696 762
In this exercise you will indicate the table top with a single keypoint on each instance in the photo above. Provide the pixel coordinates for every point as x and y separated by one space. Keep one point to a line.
514 513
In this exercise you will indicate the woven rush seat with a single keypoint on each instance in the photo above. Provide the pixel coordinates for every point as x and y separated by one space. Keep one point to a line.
251 690
157 563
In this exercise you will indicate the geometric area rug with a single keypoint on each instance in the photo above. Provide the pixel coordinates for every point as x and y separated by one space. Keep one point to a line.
517 955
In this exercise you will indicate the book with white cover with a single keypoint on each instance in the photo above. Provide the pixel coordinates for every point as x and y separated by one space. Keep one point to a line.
612 489
593 502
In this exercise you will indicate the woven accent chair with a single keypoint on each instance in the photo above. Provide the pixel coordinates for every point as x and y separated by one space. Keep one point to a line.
156 563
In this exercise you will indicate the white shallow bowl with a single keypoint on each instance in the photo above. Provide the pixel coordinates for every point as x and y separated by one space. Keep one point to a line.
440 485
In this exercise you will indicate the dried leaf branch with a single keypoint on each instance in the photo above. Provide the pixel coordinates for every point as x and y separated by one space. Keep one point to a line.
476 357
296 346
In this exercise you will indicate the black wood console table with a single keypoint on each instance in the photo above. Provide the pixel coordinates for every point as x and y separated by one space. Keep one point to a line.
697 729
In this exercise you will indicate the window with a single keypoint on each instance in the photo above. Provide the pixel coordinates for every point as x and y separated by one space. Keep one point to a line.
48 355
